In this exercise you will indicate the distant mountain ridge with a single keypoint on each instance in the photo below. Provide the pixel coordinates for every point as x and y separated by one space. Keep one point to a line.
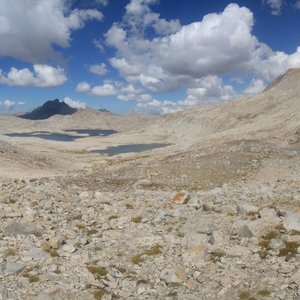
49 109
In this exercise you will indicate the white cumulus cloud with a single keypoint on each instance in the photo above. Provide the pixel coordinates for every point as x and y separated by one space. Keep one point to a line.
256 86
275 6
105 90
102 2
98 69
40 76
179 59
195 57
7 104
75 103
32 28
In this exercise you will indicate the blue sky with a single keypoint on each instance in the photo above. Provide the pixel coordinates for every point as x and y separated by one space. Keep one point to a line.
143 55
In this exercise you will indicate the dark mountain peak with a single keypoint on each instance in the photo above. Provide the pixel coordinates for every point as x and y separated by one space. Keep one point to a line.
49 109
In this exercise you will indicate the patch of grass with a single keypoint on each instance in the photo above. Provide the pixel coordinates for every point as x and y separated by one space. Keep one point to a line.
264 243
113 217
77 217
53 253
136 219
244 295
78 245
262 253
280 227
264 293
100 293
120 269
290 248
271 235
137 259
10 252
216 256
91 232
180 234
98 272
153 251
80 226
31 278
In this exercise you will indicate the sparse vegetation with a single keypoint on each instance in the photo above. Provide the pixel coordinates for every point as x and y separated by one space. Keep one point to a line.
136 219
98 272
244 295
99 294
153 251
10 252
31 278
290 248
80 226
216 256
264 293
113 217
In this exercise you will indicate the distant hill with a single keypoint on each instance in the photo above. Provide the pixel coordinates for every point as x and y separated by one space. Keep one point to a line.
104 110
49 109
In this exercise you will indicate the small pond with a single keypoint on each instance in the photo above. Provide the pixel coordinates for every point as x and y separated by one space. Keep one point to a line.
136 148
60 137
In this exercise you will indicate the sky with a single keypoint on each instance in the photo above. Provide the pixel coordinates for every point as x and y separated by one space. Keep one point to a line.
152 56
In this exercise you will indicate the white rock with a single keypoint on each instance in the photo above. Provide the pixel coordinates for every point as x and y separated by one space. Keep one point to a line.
246 208
173 275
238 251
29 215
292 222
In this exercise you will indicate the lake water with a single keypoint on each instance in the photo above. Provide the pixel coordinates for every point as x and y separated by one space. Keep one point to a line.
136 148
60 137
92 132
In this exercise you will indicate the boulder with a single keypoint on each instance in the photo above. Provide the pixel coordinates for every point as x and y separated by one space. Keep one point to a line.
181 197
292 222
11 268
246 208
23 228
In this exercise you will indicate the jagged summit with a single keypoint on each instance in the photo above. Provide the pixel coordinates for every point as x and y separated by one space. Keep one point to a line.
49 109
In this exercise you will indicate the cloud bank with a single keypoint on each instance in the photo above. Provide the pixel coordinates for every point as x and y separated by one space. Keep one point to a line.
41 76
32 28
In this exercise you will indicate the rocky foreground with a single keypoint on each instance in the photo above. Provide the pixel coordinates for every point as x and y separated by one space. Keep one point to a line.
60 240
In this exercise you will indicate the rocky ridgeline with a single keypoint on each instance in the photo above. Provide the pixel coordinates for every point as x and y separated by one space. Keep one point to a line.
58 241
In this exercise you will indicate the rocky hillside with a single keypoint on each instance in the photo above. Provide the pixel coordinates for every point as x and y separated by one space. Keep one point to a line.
273 114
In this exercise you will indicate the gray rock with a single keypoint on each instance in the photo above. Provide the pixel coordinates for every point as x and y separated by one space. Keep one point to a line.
268 213
4 294
262 226
11 268
36 254
276 244
143 182
292 222
173 275
245 232
238 251
23 228
246 208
